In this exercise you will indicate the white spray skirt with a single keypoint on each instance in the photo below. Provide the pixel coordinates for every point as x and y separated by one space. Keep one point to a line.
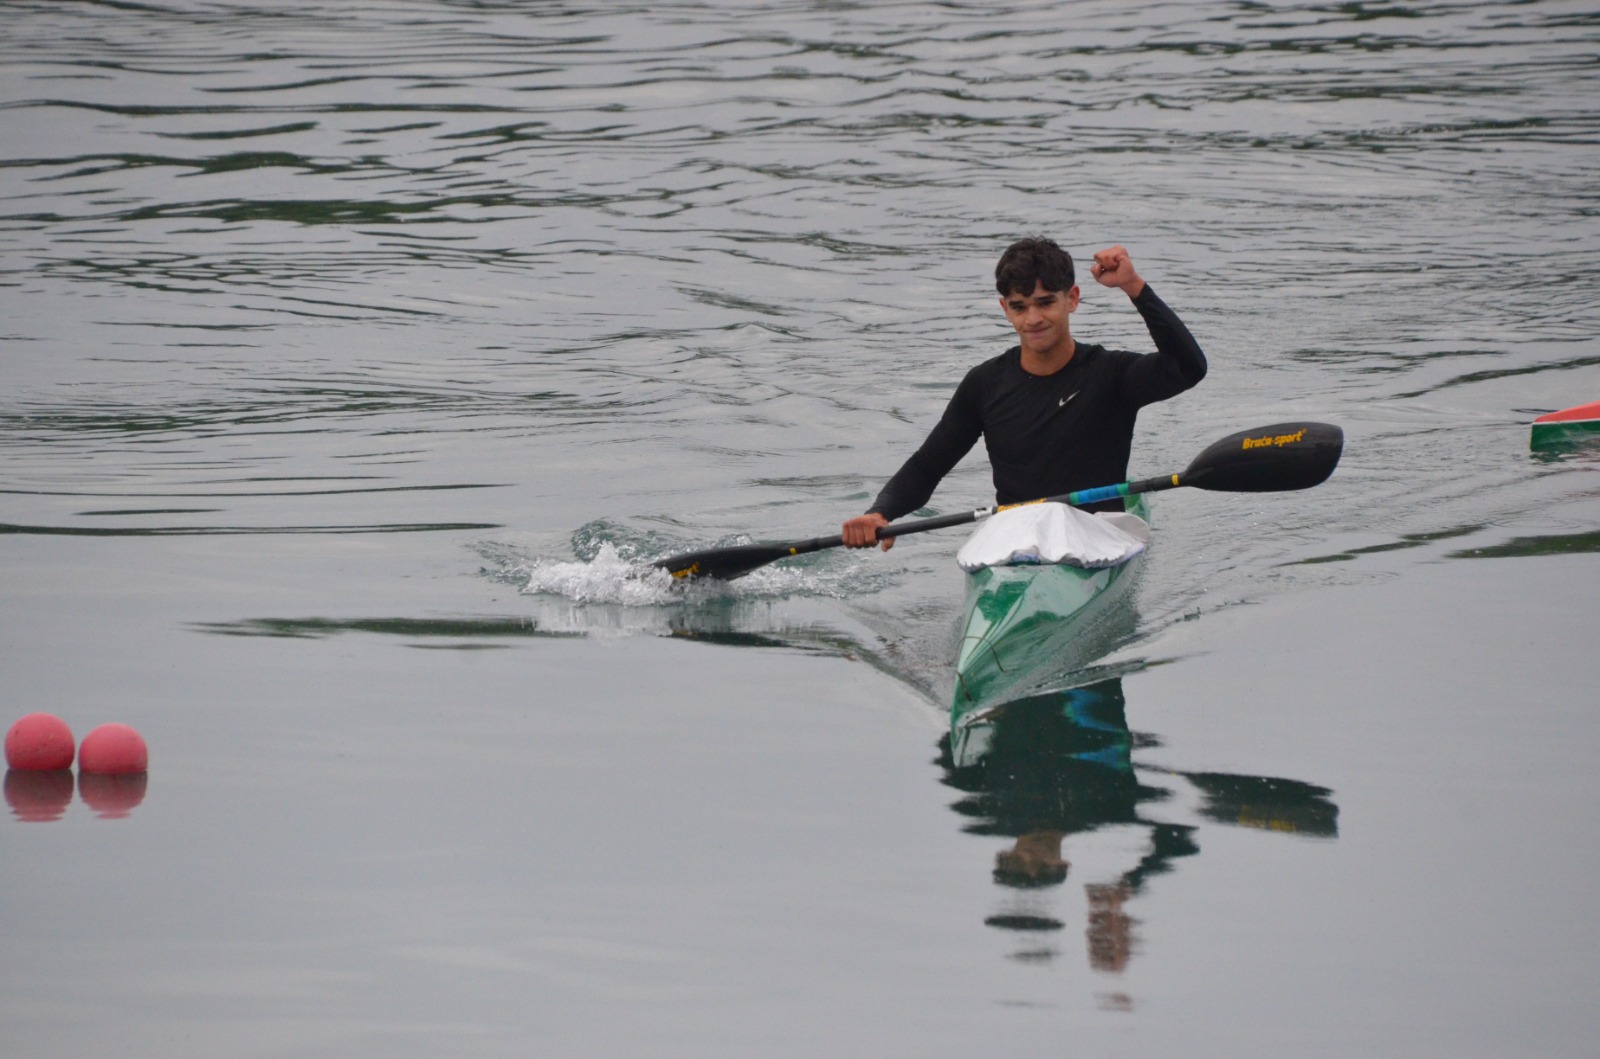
1054 533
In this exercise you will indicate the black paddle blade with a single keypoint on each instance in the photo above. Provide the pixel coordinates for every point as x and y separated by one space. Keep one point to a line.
723 564
1268 459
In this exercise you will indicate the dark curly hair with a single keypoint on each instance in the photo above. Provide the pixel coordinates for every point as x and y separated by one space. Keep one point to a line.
1031 261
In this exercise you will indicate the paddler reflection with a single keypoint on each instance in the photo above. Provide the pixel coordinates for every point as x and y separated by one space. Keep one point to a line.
1042 769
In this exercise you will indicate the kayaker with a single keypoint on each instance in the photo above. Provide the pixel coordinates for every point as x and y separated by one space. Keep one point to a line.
1055 414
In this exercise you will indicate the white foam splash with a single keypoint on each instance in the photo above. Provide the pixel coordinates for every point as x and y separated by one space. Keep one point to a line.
607 578
611 578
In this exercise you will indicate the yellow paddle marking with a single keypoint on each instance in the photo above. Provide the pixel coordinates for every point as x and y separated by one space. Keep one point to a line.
1249 816
1275 442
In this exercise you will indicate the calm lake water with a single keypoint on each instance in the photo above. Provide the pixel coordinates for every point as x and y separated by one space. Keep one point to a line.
354 354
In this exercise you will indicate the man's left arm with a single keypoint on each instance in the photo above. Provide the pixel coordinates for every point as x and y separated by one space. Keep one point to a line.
1178 362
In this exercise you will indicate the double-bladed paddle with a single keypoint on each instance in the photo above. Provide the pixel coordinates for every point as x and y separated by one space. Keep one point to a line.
1270 459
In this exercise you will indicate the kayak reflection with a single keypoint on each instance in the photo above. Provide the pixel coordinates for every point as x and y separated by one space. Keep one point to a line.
1041 769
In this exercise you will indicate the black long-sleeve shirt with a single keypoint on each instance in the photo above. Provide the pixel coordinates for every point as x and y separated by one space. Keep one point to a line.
1052 434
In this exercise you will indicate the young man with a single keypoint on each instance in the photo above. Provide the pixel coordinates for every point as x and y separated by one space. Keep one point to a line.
1055 414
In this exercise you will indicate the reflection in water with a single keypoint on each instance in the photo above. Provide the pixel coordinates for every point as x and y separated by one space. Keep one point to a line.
1522 547
1042 769
235 531
494 627
1407 540
470 632
113 797
38 797
43 797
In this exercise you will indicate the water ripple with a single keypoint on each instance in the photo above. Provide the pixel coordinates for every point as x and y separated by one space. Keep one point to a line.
715 268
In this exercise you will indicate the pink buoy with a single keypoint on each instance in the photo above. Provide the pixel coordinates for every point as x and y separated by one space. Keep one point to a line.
39 742
113 749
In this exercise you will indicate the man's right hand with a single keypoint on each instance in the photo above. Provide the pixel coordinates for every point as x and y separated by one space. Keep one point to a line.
862 531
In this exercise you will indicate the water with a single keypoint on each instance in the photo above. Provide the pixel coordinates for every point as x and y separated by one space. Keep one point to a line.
354 357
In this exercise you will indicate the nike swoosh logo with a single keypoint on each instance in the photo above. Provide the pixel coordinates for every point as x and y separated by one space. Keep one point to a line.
1069 397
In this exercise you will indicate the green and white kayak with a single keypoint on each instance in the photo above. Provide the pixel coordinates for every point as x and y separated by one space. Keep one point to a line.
1029 622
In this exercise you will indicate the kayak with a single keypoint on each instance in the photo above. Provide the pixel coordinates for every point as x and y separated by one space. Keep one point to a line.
1576 424
1029 622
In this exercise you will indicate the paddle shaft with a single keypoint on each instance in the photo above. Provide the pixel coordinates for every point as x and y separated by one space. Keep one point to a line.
1077 499
1269 459
1081 498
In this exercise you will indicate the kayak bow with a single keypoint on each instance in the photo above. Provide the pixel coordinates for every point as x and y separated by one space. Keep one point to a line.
1027 622
1570 426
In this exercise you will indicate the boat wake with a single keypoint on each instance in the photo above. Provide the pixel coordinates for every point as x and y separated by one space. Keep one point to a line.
616 592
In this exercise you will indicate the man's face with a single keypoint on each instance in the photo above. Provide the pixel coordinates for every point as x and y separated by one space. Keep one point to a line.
1040 318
